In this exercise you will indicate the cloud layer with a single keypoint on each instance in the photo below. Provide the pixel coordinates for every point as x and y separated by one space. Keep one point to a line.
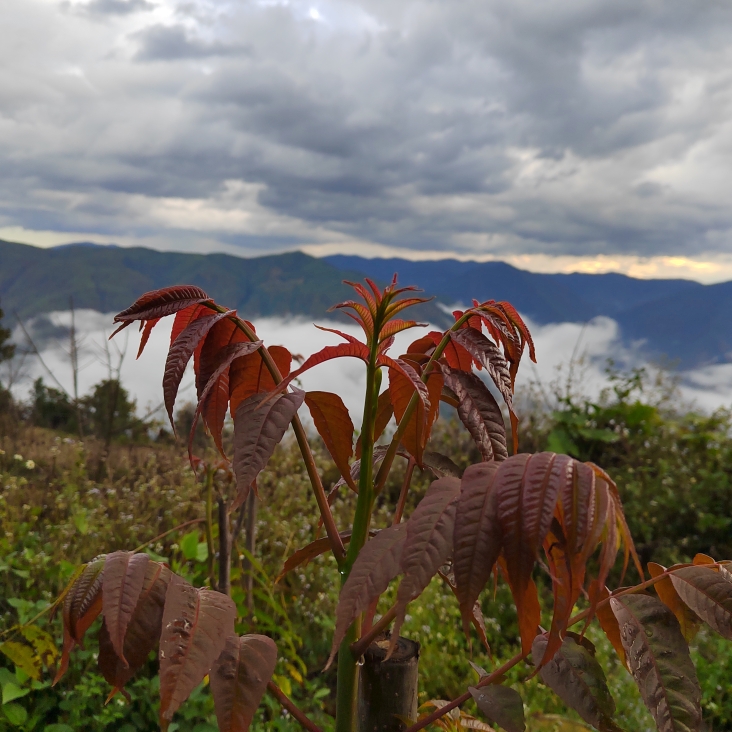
484 127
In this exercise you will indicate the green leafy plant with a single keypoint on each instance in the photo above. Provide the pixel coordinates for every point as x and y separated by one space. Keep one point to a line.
494 518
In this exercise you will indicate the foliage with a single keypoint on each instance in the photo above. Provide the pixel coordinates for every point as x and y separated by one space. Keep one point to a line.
496 516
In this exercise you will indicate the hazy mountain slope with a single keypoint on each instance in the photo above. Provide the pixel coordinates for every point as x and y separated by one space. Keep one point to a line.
107 279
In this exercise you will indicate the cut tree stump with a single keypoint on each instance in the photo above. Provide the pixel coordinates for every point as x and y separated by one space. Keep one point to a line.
387 691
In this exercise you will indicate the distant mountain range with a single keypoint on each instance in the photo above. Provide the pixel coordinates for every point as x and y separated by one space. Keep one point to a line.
679 319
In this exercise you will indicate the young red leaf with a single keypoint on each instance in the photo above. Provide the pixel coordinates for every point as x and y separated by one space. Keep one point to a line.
405 369
239 679
688 620
334 425
659 660
520 326
428 545
179 355
260 424
375 567
709 595
184 318
502 705
214 397
479 412
159 303
124 576
149 325
608 622
82 605
346 336
576 677
487 355
196 624
454 354
477 536
420 424
248 375
223 334
143 631
397 326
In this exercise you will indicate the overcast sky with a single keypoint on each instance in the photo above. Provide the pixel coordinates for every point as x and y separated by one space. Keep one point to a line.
585 134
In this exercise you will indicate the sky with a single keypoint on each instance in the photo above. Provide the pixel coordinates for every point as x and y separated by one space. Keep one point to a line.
573 135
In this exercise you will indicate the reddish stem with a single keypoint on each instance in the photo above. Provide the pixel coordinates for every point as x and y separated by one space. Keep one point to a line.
360 646
405 489
278 694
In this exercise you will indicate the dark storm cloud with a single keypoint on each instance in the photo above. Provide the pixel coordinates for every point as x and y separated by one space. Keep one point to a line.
494 126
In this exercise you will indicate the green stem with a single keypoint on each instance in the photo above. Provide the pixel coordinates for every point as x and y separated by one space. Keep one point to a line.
347 668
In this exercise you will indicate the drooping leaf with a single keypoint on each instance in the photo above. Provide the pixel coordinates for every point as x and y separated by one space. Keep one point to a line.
82 605
688 620
502 705
239 678
479 412
527 488
440 465
375 567
143 631
147 329
195 626
259 426
343 350
124 576
606 617
477 538
180 354
249 375
427 547
183 318
312 550
420 423
488 355
334 425
659 660
708 594
576 677
475 615
159 303
407 370
214 398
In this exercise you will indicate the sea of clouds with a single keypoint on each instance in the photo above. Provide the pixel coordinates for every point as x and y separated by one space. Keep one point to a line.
569 356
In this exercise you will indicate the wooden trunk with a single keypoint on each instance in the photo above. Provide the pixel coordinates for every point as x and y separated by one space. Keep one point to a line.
387 692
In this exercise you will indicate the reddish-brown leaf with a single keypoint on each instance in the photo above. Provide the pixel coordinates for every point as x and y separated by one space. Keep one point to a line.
224 333
487 355
159 303
259 426
249 375
180 354
82 605
214 397
397 326
143 631
312 550
688 620
239 678
454 354
479 412
196 624
501 705
334 425
441 466
520 326
184 318
428 545
709 595
406 370
375 567
477 536
124 576
420 423
474 615
606 617
527 488
147 329
378 456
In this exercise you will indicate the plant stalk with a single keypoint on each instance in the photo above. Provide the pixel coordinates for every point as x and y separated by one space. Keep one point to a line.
347 694
209 529
224 549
